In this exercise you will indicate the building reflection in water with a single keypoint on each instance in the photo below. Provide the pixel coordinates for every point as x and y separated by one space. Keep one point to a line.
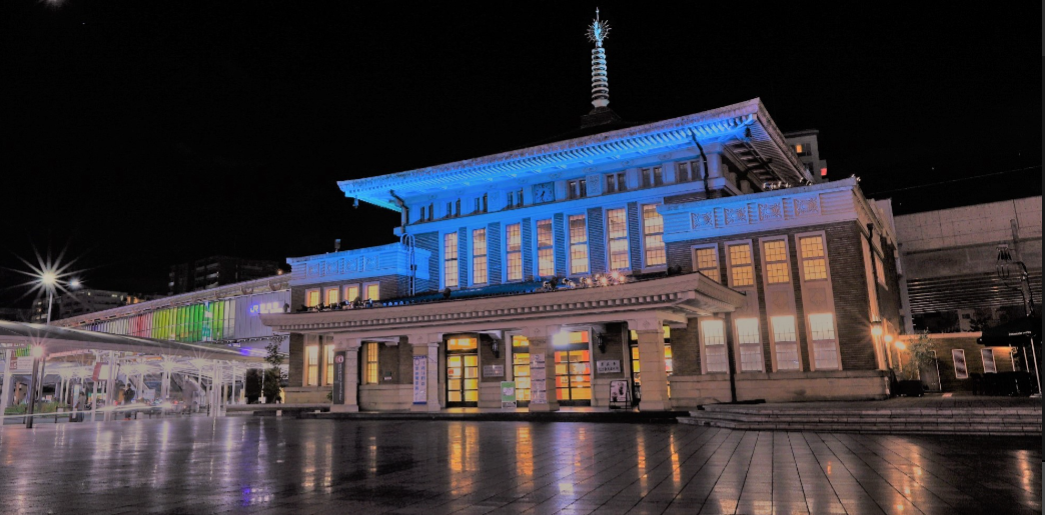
523 451
463 441
676 471
640 446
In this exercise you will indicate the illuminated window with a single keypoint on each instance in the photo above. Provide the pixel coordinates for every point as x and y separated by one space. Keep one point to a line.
652 177
617 220
715 345
545 253
776 261
653 232
825 349
520 341
799 149
741 270
513 240
328 354
332 295
616 182
312 365
707 263
450 259
372 291
479 256
881 270
577 188
750 344
352 292
312 298
814 265
578 245
371 374
786 342
566 338
462 343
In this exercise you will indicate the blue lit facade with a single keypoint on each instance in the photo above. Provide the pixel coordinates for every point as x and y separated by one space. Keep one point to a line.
695 258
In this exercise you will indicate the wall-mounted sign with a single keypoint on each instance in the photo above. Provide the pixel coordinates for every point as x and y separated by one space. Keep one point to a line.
420 379
493 371
609 366
538 380
339 376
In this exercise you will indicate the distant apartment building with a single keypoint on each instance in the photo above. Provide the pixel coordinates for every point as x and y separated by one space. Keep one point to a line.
217 271
807 147
13 314
81 302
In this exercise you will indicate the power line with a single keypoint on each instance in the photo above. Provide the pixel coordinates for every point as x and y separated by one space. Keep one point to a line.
958 180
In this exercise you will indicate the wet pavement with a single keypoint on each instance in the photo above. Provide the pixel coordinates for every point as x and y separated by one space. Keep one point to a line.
271 465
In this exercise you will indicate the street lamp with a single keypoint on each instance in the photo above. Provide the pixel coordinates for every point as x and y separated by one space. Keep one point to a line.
876 328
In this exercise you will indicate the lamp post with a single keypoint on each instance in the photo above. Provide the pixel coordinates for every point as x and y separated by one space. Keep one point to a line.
1014 274
48 280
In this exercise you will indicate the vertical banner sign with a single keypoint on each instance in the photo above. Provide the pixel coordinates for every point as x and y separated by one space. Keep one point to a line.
420 379
339 377
508 394
538 379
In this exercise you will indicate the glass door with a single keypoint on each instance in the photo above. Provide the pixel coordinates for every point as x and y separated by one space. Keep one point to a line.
572 368
462 372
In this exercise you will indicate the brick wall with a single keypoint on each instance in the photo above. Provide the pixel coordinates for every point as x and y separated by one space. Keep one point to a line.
685 350
949 382
846 262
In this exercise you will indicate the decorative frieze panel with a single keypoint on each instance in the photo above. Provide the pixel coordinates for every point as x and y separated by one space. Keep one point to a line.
735 215
593 184
740 214
767 211
807 206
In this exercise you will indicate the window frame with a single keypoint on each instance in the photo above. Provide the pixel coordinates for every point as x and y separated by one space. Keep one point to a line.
704 351
308 297
550 247
509 253
476 257
610 239
312 346
366 290
758 343
371 367
802 259
655 176
328 364
571 244
983 357
730 266
346 287
326 295
576 188
813 341
696 262
774 340
644 235
786 261
456 260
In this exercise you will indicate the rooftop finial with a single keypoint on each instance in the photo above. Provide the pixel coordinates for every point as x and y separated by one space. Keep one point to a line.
598 31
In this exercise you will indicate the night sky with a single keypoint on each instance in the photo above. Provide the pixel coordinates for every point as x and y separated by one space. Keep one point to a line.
139 134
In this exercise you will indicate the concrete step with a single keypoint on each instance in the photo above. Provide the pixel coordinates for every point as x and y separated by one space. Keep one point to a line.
982 421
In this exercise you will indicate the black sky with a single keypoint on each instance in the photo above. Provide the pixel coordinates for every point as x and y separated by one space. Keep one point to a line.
142 134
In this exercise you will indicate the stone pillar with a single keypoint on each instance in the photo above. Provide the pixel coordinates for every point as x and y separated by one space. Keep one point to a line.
651 362
426 346
541 345
351 380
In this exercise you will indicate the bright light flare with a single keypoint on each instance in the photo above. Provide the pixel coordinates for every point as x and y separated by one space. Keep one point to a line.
47 275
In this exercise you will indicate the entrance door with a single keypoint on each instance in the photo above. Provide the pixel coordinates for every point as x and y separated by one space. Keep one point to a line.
573 368
521 369
462 372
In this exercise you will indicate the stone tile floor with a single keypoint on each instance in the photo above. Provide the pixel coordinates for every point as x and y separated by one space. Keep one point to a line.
269 465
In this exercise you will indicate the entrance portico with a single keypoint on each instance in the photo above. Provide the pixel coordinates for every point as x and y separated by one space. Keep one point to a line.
467 344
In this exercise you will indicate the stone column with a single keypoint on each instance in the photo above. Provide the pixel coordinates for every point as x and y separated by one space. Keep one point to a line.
540 345
351 379
651 362
426 346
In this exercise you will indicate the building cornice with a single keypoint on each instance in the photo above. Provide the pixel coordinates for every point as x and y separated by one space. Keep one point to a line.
693 294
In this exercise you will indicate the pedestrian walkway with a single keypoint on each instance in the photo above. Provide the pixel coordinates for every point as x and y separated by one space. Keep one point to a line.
933 414
564 414
273 466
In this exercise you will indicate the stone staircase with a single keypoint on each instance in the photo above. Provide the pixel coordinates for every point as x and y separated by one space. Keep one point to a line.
1024 420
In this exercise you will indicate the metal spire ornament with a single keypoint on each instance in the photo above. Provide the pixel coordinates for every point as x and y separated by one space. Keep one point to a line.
598 31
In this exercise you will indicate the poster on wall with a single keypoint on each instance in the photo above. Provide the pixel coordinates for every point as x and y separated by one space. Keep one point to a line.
619 390
538 380
339 377
960 370
508 395
420 379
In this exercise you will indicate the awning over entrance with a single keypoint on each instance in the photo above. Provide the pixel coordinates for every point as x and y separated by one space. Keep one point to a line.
1019 332
59 339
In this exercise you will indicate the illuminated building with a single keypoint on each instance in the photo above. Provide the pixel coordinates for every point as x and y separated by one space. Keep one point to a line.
806 145
680 250
217 271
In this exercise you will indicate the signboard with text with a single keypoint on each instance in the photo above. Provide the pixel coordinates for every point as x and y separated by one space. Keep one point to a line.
610 366
508 395
339 377
420 379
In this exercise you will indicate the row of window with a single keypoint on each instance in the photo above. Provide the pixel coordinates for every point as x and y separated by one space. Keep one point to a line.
347 292
822 333
812 261
961 370
312 364
578 249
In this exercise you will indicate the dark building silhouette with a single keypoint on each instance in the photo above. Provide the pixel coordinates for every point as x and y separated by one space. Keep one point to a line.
216 271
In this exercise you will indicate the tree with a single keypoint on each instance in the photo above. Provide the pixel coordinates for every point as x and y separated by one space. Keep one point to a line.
921 353
274 376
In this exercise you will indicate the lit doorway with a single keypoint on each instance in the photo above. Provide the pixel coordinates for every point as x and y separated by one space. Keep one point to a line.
573 368
462 372
521 369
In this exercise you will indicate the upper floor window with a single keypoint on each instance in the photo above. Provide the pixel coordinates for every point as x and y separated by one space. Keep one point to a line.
312 365
825 348
479 256
617 219
545 249
312 298
515 199
513 246
776 261
707 263
352 293
741 269
332 295
616 182
814 265
577 188
653 232
372 291
450 259
423 214
715 345
652 177
687 172
328 356
578 244
803 149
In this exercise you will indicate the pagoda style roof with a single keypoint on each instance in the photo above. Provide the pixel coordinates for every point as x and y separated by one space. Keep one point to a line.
745 127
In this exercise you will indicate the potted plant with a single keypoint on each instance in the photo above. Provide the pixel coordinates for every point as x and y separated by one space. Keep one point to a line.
911 358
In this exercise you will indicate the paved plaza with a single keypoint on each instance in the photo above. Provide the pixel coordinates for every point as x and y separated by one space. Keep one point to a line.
273 465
